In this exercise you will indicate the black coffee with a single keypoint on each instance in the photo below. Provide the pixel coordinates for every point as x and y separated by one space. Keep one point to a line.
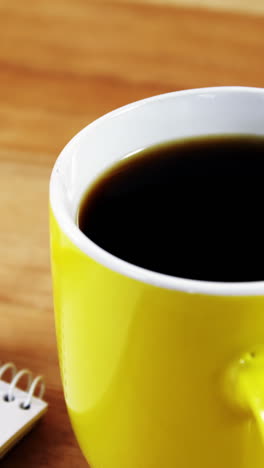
191 208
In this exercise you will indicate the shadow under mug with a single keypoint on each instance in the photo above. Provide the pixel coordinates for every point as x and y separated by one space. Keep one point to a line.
157 371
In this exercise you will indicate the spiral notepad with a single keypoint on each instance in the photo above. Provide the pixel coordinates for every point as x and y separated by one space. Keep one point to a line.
19 409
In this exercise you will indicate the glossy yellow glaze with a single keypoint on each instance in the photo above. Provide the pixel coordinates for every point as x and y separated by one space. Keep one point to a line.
143 368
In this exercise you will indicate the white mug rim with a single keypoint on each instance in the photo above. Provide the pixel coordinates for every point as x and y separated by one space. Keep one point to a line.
88 247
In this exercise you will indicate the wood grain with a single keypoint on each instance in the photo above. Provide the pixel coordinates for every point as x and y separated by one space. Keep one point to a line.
62 64
254 6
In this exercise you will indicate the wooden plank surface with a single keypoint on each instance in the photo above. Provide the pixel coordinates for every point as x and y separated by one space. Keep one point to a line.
62 64
253 6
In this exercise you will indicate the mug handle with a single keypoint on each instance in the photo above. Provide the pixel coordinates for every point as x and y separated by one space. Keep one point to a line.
247 384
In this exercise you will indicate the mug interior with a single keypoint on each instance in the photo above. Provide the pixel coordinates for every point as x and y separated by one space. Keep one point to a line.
208 111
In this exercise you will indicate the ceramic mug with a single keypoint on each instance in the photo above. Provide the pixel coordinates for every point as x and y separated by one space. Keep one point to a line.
158 371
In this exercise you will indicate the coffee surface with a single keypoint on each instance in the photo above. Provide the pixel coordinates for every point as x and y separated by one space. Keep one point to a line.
190 208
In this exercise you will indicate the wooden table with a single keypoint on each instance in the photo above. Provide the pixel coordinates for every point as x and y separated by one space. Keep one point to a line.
62 64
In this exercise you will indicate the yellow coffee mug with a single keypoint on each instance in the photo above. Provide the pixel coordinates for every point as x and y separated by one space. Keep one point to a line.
158 371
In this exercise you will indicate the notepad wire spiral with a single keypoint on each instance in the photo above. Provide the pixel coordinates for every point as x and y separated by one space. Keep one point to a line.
19 409
16 377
